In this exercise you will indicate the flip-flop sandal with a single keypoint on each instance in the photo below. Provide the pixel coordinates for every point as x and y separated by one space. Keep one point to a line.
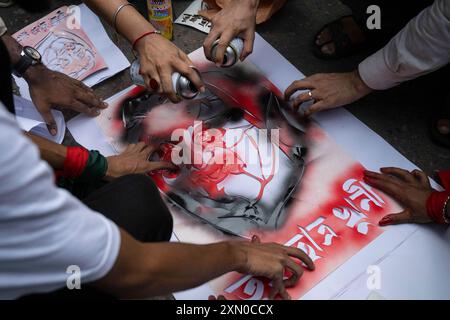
344 46
5 3
436 136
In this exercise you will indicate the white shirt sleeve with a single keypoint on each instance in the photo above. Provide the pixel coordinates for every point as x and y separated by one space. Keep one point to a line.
44 229
421 47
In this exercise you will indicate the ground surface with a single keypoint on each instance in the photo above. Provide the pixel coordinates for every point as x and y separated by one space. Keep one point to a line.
399 115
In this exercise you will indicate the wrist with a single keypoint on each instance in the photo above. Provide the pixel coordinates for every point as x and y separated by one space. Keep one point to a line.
359 85
139 43
238 255
35 73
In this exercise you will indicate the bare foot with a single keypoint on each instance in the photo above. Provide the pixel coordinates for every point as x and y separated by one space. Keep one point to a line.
350 27
443 126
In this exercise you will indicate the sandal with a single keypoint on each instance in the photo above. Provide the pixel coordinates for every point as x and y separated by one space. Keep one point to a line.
344 46
436 135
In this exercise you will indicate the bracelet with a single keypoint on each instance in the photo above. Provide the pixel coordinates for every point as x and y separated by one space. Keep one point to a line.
75 162
444 210
144 35
116 13
96 167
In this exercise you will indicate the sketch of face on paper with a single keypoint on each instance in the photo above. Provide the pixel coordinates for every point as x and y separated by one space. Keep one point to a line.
65 50
252 184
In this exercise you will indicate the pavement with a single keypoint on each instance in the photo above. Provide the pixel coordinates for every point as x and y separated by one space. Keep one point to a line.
400 115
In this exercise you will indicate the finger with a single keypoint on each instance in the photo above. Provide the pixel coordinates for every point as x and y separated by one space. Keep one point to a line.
401 174
421 177
97 101
304 97
386 185
399 218
256 239
160 165
147 150
192 74
278 288
44 109
297 272
208 43
150 74
50 122
383 177
81 107
249 41
297 85
316 107
301 255
224 41
141 146
167 86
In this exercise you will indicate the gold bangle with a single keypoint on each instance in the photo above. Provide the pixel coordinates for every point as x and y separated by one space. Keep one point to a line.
116 13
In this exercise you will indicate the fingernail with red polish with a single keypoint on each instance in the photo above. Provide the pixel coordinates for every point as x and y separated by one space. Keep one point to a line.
385 221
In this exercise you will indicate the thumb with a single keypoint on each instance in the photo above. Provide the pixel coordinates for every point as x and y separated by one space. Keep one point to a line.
46 113
256 239
398 218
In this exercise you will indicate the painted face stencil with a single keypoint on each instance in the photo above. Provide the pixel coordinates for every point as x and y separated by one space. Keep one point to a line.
248 140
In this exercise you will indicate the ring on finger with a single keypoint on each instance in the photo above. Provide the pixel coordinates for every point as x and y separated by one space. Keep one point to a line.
154 85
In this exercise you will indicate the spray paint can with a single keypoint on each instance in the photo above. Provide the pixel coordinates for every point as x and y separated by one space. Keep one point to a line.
160 15
182 86
232 54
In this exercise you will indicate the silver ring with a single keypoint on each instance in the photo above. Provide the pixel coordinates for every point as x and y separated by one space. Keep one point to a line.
310 94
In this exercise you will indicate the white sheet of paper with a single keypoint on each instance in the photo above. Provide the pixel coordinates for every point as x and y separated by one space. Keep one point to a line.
30 120
191 18
112 55
407 269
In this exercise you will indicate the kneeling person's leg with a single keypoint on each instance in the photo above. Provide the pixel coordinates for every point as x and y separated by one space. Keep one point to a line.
134 203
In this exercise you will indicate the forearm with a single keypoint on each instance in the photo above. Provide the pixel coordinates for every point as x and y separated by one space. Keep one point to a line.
129 22
421 47
14 48
54 154
145 270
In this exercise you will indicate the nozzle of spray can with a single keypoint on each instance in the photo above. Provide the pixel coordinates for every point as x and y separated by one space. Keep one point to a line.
182 86
232 53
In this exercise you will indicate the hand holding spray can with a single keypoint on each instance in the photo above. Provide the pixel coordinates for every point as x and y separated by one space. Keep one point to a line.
182 86
232 53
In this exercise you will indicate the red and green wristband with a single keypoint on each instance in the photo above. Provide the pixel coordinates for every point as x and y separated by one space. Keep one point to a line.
84 165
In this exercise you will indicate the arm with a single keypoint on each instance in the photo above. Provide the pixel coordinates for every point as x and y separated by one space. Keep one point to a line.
420 48
148 269
159 57
133 160
237 19
49 89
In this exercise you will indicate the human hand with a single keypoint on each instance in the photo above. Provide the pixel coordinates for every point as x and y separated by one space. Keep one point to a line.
159 59
270 260
411 189
328 90
49 89
135 160
238 19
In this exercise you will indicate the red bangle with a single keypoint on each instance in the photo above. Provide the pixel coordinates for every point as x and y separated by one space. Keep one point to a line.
75 162
144 35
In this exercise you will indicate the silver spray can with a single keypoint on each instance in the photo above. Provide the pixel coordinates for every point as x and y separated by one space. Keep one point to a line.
232 54
182 86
